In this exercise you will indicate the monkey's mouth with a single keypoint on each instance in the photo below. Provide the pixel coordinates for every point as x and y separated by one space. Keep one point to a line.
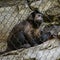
37 24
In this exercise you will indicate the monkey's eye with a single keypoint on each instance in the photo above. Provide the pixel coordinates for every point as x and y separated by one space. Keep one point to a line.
39 15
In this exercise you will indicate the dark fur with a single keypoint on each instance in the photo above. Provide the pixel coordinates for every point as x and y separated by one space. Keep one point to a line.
25 34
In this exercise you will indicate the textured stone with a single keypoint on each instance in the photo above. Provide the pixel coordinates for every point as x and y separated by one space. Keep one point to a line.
49 50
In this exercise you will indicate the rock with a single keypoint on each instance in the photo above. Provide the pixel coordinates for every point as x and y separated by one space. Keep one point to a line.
5 3
54 29
50 8
9 17
3 46
44 5
49 50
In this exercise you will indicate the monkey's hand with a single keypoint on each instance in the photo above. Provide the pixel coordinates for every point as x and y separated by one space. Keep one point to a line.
44 37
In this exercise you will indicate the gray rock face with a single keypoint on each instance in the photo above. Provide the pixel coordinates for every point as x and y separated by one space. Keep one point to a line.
9 17
54 29
49 50
5 3
50 6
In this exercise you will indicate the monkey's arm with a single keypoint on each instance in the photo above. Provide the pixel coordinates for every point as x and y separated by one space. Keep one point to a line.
44 37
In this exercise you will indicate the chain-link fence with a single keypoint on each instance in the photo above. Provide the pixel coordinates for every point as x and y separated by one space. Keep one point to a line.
9 17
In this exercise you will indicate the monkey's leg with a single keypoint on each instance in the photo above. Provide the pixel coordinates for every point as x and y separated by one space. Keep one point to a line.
23 40
16 41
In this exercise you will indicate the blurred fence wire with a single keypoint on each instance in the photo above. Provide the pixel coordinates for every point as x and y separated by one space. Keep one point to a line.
11 13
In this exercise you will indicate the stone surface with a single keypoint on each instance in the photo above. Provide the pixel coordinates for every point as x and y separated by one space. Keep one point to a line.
49 50
50 8
10 16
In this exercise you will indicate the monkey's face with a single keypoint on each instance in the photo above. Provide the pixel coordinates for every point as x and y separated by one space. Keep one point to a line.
35 18
38 19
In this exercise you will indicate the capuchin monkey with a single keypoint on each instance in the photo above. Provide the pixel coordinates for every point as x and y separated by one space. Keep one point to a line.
24 33
27 33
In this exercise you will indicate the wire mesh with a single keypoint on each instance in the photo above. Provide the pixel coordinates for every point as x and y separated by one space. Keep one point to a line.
9 17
